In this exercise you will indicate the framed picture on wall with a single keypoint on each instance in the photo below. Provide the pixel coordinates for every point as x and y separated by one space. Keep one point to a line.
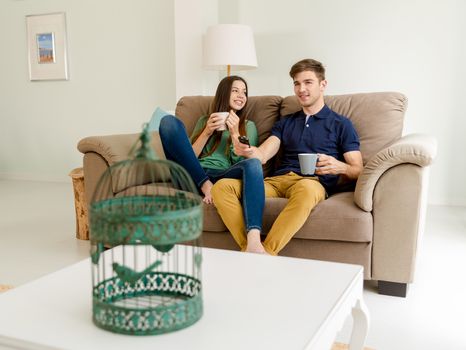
46 36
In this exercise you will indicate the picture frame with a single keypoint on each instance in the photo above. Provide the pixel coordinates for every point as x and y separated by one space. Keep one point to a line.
47 51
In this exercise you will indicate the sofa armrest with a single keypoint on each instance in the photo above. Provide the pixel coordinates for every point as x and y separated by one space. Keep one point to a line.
415 149
115 148
100 152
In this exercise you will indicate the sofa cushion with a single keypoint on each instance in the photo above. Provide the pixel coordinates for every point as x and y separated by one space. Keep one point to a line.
212 221
336 218
264 111
190 108
377 117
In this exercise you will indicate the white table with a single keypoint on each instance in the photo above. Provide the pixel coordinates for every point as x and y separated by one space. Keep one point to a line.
250 302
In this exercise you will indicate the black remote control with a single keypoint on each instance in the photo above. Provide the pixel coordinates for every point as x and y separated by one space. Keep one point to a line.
244 139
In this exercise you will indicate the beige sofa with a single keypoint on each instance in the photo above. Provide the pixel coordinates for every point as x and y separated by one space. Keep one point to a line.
377 225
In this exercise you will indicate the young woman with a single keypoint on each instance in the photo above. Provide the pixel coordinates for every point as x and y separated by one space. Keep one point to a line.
210 157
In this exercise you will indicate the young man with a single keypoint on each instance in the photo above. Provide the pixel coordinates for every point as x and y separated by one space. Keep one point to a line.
314 129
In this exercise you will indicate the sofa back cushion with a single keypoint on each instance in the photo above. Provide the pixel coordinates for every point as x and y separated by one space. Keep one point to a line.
377 117
190 108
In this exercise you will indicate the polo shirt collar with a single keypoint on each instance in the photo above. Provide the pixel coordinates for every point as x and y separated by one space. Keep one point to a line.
322 114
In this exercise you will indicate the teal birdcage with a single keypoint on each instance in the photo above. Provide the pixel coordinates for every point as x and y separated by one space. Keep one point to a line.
145 224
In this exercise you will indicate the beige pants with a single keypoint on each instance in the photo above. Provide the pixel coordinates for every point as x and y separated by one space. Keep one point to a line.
303 194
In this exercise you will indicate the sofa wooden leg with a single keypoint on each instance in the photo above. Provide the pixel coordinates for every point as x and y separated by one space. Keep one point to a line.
393 288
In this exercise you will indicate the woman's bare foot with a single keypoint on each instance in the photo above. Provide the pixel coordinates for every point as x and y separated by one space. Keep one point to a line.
254 242
206 188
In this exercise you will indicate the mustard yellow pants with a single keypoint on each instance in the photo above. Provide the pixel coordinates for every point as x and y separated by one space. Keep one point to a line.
303 194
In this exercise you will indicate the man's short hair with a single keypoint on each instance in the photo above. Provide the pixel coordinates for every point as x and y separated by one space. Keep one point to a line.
310 65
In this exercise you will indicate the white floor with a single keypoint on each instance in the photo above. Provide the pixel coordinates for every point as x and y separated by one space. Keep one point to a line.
37 236
37 230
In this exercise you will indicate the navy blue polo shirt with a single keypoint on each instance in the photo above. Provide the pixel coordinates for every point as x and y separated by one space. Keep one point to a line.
325 132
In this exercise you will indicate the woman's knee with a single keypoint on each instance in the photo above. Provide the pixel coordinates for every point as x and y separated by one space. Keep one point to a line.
169 124
253 166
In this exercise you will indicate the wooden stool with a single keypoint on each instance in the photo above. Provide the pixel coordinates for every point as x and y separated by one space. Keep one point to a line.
82 223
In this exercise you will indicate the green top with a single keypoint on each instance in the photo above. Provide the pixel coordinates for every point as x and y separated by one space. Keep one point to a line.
220 160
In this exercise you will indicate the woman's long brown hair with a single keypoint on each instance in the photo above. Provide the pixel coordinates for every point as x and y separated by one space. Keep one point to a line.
221 103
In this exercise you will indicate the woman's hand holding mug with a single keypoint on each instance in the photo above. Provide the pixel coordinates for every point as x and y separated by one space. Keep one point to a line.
216 122
232 123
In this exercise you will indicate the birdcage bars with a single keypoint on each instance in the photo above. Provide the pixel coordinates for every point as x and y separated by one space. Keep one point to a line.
158 301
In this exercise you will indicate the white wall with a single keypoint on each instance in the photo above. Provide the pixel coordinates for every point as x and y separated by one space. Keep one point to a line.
121 59
191 19
414 47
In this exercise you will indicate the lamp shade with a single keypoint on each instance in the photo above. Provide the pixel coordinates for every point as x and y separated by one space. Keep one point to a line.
229 45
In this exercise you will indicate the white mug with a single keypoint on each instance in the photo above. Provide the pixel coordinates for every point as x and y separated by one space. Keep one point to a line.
224 116
307 163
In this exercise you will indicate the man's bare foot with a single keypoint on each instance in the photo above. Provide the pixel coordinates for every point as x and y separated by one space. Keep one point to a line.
206 188
259 249
254 242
